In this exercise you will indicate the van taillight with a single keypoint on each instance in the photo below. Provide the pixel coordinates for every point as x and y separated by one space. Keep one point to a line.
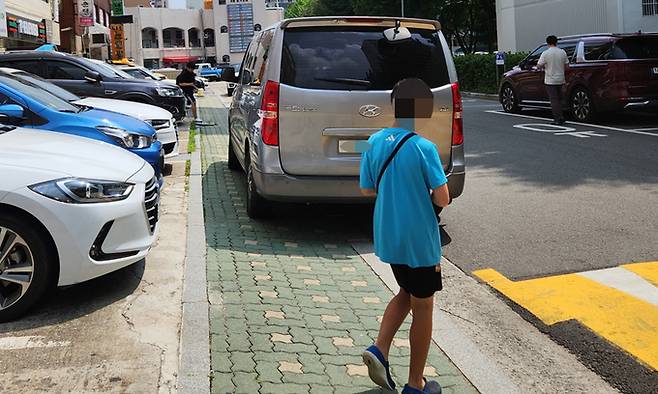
269 113
457 121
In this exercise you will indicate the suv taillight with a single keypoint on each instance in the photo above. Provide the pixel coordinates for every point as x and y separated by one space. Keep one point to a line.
269 113
457 121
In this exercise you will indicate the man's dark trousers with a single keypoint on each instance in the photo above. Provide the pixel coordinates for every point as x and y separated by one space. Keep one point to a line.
555 95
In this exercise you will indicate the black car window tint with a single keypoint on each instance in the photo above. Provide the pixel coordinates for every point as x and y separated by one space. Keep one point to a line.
533 58
597 50
63 70
643 47
569 48
31 66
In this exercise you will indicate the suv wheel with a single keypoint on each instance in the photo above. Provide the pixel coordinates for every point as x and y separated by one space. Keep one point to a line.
26 265
508 100
257 206
581 105
233 163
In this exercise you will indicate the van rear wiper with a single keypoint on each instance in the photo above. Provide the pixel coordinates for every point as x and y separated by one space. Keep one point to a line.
349 81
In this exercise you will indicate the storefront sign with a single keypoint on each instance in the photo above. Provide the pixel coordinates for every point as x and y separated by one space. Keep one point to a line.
117 7
3 19
118 42
25 29
86 12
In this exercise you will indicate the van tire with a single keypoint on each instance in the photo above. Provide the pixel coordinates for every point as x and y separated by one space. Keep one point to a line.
233 162
43 260
581 105
257 206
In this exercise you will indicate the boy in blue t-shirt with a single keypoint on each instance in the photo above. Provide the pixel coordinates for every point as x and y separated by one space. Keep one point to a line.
406 230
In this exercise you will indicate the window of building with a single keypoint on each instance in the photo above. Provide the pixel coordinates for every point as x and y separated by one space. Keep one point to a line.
149 38
649 7
151 63
209 38
194 38
97 15
172 37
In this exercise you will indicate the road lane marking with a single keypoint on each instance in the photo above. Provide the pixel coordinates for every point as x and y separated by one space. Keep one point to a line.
577 123
626 281
28 342
648 271
558 130
626 321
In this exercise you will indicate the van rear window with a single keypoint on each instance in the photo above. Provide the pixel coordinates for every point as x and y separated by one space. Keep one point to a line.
360 58
635 48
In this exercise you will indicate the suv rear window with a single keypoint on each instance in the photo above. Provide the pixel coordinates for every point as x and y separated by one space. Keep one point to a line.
360 58
635 48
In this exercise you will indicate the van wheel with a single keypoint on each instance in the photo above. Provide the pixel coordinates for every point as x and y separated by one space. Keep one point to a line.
233 163
582 107
509 100
257 206
26 265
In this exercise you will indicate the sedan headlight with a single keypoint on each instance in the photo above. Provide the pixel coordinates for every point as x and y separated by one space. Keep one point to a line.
125 138
169 92
83 191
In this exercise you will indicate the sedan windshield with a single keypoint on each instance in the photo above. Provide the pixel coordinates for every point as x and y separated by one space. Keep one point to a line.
45 85
36 92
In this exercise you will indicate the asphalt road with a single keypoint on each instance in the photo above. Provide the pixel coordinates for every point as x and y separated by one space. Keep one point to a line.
538 203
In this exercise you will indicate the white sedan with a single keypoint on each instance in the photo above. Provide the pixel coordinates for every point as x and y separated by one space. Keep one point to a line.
71 209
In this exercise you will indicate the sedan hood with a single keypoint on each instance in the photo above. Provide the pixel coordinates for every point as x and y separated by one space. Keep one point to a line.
130 108
67 155
99 117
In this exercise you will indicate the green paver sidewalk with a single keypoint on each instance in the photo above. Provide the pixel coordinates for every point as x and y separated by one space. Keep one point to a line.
292 304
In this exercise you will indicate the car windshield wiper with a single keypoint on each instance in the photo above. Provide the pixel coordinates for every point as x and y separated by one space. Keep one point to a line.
349 81
69 111
5 129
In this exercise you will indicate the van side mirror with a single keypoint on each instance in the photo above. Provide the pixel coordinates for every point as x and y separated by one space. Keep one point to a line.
12 111
93 77
247 77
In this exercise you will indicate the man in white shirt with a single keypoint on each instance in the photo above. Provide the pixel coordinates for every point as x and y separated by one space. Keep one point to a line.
553 61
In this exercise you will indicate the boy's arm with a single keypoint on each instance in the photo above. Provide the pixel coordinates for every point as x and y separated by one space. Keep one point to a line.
436 178
365 177
441 196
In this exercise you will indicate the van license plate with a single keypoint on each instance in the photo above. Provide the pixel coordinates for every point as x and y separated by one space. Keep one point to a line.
654 71
352 146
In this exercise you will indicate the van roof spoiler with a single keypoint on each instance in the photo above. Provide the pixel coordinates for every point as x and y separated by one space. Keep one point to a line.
383 21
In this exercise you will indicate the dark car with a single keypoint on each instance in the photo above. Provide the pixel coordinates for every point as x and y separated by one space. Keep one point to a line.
607 73
89 78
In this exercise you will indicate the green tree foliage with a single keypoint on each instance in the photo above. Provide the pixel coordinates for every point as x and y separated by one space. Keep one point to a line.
470 24
477 73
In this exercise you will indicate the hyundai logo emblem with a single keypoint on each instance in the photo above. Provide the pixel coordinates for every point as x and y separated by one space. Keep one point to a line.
370 111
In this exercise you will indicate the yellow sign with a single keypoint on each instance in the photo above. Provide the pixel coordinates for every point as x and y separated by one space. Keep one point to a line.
118 41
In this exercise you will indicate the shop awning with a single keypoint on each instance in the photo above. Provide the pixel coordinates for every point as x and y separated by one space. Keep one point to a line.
180 59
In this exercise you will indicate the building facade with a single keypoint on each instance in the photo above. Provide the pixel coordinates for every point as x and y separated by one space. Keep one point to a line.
92 41
524 24
165 37
27 24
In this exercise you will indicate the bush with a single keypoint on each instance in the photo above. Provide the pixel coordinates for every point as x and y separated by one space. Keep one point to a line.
477 73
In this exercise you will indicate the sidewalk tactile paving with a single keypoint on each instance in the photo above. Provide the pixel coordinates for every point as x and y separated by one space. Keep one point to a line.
309 337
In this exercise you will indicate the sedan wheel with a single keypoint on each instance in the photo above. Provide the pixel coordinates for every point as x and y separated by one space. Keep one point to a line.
581 106
28 264
508 99
16 268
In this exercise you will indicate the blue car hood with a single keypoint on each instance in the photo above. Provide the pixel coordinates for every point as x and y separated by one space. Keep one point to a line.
101 117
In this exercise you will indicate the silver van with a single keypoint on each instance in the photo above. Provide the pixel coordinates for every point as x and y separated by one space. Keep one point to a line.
309 89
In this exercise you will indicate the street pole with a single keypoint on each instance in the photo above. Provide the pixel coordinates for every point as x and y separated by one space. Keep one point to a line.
402 8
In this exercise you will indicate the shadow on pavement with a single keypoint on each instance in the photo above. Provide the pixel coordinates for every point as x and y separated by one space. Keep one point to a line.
71 302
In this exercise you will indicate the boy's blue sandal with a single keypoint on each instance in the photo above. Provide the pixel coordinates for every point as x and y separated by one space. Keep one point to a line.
431 387
378 367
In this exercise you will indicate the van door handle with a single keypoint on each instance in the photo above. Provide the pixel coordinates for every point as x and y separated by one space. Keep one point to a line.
110 92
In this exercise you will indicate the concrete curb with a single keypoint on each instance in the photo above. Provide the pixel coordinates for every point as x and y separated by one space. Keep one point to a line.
194 363
486 96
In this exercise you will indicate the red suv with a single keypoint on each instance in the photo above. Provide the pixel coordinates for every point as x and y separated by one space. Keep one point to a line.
607 72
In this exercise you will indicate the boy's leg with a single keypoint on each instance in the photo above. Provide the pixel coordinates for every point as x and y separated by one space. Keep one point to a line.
420 337
396 311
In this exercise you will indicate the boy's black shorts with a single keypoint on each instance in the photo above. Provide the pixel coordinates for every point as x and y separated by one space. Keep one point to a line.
419 282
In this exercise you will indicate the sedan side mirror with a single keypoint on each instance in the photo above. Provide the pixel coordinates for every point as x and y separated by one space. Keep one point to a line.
11 111
93 77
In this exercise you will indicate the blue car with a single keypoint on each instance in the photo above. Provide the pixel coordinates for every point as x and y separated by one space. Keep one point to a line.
24 103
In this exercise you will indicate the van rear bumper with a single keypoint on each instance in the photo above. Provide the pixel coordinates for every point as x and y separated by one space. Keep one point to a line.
310 189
